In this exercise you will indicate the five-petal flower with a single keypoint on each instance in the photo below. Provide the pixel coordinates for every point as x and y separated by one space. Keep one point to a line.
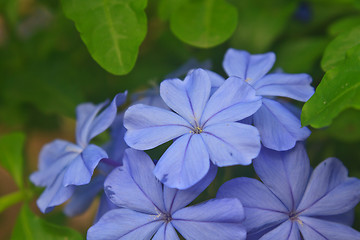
293 199
64 165
148 209
279 128
204 127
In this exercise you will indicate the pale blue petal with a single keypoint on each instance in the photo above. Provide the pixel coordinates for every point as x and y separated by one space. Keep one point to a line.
124 224
330 191
188 66
184 163
55 194
286 231
84 196
246 66
134 186
216 80
279 128
295 86
51 152
214 219
149 97
188 97
105 205
149 126
262 208
81 169
89 125
314 229
175 199
344 218
166 232
286 174
233 101
231 143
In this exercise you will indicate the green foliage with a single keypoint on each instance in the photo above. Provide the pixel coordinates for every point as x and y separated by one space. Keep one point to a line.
11 156
111 29
335 52
167 7
346 126
338 90
344 25
204 23
31 227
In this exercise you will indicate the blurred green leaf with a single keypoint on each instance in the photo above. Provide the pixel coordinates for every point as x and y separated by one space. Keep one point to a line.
260 23
30 227
11 156
336 50
167 7
344 25
111 29
338 90
204 23
300 55
346 126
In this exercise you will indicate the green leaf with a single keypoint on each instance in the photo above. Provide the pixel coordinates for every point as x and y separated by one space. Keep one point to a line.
167 7
344 25
111 29
300 55
346 126
260 23
30 227
11 155
335 52
204 23
338 90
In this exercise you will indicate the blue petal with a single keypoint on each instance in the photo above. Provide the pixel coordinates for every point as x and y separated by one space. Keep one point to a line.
105 205
287 231
55 194
262 208
166 232
84 196
81 169
88 125
55 150
214 219
330 191
175 199
233 101
216 81
184 163
124 224
295 86
312 228
149 126
188 97
134 186
231 143
149 97
344 218
251 67
285 173
279 128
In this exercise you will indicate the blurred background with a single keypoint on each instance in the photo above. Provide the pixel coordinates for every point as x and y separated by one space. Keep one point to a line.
46 70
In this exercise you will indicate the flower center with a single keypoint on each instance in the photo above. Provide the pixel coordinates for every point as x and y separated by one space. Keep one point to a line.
196 130
294 216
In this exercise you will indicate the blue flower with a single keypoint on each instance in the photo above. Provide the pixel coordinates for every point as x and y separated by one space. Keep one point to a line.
279 128
203 127
148 209
293 199
64 165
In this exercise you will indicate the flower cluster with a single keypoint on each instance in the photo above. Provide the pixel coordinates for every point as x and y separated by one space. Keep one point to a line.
209 122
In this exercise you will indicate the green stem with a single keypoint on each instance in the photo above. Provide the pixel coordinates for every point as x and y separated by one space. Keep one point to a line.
13 198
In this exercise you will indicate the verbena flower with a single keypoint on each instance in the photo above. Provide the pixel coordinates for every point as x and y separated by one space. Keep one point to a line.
204 127
293 199
150 210
64 165
279 128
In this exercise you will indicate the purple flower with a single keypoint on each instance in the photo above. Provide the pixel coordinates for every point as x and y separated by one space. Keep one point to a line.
293 199
279 128
64 165
148 209
204 127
